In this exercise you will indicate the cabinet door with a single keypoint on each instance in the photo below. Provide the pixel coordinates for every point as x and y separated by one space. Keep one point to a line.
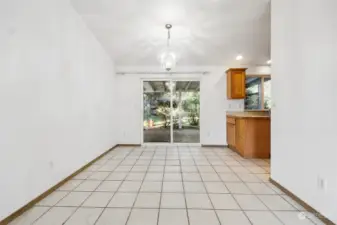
236 80
238 84
231 135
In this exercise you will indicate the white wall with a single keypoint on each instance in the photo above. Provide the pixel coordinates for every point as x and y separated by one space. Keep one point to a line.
213 102
304 91
56 98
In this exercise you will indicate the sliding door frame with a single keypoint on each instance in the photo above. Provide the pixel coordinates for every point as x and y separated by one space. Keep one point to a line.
171 143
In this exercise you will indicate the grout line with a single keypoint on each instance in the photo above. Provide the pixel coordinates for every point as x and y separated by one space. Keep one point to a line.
116 189
127 220
162 186
234 200
182 178
53 206
261 202
78 207
144 156
209 198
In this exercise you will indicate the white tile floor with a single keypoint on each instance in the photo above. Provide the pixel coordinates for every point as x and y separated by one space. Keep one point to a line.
169 186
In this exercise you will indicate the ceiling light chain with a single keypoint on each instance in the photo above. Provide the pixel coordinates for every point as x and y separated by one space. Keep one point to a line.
168 27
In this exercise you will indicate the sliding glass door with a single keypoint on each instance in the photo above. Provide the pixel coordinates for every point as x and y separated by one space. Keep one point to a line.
171 111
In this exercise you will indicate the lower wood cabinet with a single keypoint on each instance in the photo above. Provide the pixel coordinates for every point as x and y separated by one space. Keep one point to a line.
231 134
249 136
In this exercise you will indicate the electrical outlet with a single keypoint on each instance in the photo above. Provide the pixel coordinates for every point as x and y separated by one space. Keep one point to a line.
208 134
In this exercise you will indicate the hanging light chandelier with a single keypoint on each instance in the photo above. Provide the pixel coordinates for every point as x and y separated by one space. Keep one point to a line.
168 58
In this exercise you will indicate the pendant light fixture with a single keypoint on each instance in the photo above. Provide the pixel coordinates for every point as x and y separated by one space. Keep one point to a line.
168 58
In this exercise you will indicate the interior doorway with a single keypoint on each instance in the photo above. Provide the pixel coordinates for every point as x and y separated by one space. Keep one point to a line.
171 111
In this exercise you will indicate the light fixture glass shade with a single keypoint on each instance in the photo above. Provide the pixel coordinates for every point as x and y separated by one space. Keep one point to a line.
168 60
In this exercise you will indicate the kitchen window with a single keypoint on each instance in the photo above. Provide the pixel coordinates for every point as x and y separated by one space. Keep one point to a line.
258 93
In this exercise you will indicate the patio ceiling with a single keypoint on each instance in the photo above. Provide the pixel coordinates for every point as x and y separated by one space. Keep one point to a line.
163 86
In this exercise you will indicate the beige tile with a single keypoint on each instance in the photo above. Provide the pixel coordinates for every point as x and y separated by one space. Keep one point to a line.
198 201
53 198
222 169
203 217
248 177
70 185
206 169
148 200
229 177
117 176
250 202
123 168
107 168
173 187
158 163
143 217
189 169
294 218
263 177
85 216
113 216
99 176
56 216
277 190
263 218
238 188
139 169
154 177
260 188
216 187
172 177
232 217
88 185
156 169
275 202
191 177
172 169
240 169
130 186
123 200
151 186
109 186
194 187
30 216
173 217
293 203
256 169
173 162
133 176
98 199
83 175
223 201
74 199
210 177
173 200
93 168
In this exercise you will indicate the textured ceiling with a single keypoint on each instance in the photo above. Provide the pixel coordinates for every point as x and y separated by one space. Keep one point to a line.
205 32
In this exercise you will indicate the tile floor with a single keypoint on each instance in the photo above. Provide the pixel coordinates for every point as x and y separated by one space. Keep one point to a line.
160 185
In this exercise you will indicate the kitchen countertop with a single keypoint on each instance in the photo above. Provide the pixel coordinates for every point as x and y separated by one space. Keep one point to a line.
257 115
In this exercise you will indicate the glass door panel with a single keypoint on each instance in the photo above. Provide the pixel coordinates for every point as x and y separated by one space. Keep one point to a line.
186 111
156 112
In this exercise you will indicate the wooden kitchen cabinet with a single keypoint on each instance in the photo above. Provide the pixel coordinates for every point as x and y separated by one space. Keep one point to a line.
236 81
231 133
249 135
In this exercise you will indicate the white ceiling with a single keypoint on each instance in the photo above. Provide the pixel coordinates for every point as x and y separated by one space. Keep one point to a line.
205 32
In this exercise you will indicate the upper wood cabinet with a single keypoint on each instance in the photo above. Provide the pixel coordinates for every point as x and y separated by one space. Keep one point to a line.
236 80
